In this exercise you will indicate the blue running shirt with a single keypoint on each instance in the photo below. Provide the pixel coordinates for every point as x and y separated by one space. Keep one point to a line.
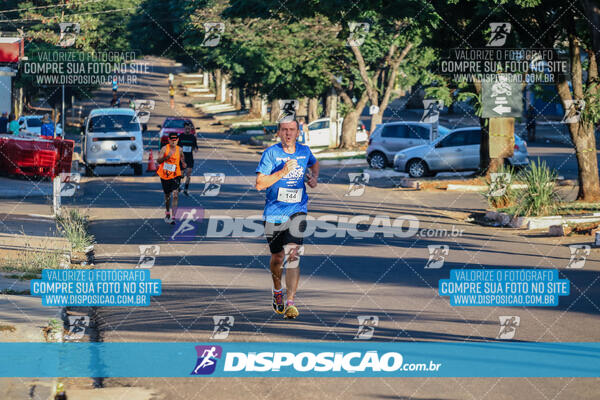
288 195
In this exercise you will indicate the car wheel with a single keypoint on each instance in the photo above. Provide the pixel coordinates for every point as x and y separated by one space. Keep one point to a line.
417 169
137 169
377 160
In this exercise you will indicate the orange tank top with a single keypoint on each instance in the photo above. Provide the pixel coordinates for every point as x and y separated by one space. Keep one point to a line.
170 168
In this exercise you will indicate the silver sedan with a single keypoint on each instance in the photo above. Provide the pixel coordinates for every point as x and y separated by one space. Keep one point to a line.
454 152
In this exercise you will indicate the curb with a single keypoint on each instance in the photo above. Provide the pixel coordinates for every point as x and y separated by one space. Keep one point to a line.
346 161
556 222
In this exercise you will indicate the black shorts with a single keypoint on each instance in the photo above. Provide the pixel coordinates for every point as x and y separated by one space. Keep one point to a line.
291 231
189 160
170 185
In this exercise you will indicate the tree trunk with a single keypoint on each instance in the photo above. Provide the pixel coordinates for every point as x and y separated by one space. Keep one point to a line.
255 106
235 98
274 113
226 89
218 83
349 129
582 132
243 99
351 120
328 101
302 110
313 109
375 120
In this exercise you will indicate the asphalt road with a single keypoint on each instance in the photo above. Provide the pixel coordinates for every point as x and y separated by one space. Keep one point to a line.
342 278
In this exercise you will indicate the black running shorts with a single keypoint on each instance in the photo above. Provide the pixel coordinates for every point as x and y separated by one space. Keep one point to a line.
170 185
189 160
280 234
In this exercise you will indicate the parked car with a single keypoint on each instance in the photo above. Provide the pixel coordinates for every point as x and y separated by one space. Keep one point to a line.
389 138
173 124
456 151
113 136
33 124
318 132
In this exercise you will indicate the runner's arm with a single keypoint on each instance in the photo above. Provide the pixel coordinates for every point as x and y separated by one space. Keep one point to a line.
266 181
182 158
314 174
162 157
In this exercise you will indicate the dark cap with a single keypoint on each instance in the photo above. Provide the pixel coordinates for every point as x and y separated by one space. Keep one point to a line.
173 135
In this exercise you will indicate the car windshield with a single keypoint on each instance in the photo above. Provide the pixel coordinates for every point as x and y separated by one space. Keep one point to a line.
34 122
174 123
112 123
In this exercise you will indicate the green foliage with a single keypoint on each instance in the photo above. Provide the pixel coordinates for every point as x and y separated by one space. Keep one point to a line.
499 193
473 99
540 198
74 226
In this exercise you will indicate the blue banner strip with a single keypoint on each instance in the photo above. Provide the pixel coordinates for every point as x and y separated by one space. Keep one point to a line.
300 359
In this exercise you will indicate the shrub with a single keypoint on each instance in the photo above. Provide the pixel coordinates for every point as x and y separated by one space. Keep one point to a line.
74 226
499 193
540 198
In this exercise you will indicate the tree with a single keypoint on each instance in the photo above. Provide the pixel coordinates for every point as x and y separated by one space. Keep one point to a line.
368 71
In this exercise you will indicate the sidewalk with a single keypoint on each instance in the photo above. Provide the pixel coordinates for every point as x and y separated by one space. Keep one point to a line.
24 188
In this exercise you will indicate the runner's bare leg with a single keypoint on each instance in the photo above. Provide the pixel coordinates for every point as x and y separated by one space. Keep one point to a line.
188 173
292 276
276 265
175 200
168 201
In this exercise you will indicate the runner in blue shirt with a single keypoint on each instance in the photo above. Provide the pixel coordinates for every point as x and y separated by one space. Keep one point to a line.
282 170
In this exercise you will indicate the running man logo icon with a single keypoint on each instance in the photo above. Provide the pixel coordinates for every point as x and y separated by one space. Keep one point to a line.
207 359
573 110
223 324
498 184
431 111
499 33
508 326
212 183
579 253
185 229
358 182
68 33
366 326
69 183
148 254
358 33
287 110
143 110
437 255
212 33
77 326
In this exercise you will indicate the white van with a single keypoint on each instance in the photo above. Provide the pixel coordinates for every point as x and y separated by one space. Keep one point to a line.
113 137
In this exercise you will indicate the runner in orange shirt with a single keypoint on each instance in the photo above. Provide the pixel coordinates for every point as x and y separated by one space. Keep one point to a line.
169 170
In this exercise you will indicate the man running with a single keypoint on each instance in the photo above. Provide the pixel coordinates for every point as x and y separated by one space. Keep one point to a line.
171 161
189 144
281 171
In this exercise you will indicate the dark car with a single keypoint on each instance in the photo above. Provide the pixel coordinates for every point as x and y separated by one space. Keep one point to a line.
173 124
